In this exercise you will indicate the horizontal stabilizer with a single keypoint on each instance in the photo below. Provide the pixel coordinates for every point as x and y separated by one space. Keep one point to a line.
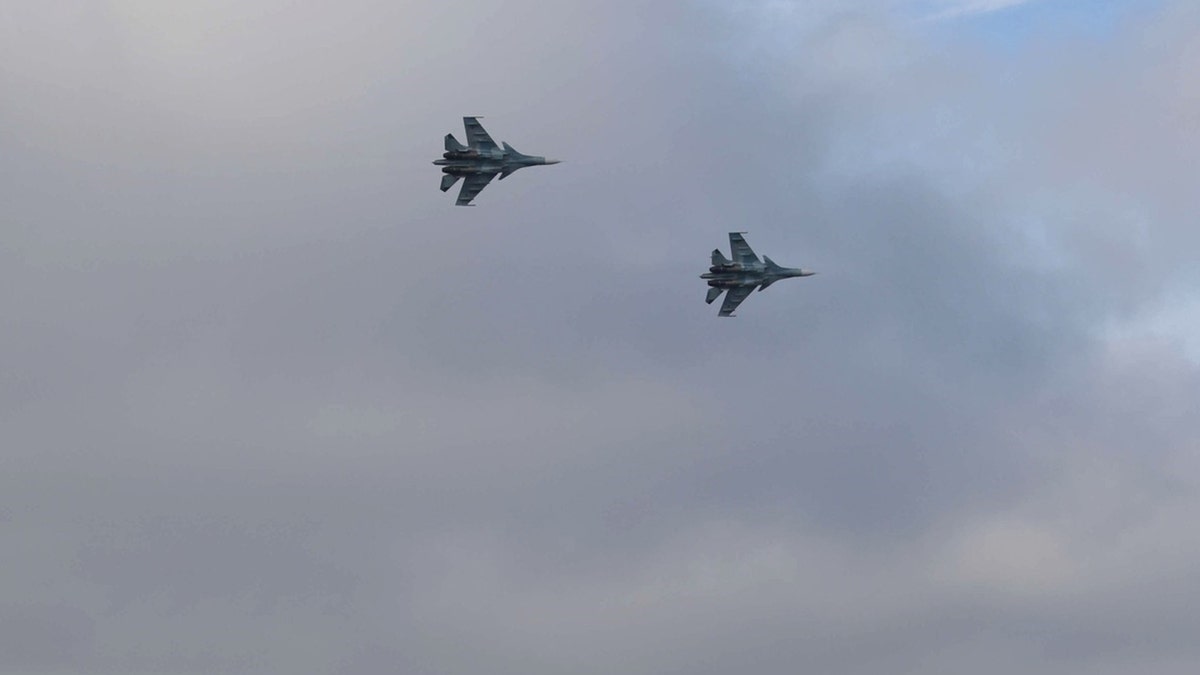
713 294
452 144
719 259
449 180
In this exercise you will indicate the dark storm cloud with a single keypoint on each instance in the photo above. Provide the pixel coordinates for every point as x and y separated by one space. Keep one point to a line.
272 403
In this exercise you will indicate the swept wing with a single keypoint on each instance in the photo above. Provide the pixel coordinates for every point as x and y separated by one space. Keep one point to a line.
477 138
741 251
473 184
733 298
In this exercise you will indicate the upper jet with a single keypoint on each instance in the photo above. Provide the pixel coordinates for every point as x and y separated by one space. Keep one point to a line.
479 161
741 275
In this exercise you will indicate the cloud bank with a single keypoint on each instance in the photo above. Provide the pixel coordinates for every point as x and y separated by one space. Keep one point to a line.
270 403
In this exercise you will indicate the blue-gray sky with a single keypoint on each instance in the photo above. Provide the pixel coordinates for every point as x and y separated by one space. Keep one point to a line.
270 403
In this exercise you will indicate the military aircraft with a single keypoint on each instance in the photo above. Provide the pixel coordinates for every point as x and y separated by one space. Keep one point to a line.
742 274
479 161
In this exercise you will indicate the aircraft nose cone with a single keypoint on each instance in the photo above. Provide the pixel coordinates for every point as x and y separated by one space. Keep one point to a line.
553 161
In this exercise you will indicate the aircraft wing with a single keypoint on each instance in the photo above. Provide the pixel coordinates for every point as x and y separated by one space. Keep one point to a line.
477 138
733 298
740 250
472 185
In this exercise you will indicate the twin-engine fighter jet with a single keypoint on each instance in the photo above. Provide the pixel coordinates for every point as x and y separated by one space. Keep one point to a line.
742 274
479 161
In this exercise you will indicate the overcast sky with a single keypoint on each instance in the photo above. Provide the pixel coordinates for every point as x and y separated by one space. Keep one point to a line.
270 403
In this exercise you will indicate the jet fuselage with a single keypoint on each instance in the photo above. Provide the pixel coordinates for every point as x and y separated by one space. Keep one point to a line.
462 163
739 274
479 161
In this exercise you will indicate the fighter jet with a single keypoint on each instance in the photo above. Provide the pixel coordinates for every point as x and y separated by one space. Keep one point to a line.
740 275
479 161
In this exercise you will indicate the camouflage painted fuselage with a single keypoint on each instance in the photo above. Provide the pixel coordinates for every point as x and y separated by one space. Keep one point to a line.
500 161
737 274
480 161
741 275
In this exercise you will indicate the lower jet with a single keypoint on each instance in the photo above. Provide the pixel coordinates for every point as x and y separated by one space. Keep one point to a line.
479 161
743 274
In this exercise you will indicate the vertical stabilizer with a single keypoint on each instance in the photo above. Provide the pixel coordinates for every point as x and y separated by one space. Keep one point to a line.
719 259
449 180
452 144
713 294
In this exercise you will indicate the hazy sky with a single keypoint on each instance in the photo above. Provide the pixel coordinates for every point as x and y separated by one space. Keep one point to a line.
270 403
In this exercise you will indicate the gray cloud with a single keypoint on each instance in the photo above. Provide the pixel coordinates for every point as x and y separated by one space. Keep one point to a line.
271 403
